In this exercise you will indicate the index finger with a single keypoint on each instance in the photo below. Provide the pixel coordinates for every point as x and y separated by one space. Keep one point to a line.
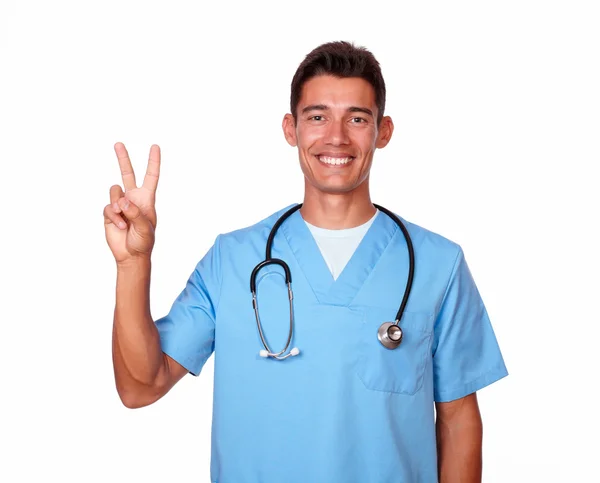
126 169
153 170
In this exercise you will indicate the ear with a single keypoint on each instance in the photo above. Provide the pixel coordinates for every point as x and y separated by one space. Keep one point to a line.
289 130
386 128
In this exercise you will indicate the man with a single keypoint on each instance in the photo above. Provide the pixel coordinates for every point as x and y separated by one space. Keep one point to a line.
346 408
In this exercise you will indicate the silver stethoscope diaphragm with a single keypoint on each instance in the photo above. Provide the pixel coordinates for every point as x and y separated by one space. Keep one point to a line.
390 335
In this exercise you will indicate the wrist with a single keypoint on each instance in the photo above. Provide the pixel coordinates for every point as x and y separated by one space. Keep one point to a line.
141 262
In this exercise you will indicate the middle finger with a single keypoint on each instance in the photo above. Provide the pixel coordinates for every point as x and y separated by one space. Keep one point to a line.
126 169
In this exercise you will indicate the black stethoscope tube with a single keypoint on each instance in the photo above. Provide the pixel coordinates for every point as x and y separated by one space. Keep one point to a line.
389 334
411 259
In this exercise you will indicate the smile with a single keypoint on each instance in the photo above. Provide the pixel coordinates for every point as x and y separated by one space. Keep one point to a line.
334 161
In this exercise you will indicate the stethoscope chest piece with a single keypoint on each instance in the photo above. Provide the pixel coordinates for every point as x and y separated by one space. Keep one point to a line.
390 335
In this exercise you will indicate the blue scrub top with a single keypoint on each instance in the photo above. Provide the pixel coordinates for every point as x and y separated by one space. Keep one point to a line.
345 409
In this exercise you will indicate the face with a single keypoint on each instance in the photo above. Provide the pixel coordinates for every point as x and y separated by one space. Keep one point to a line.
336 132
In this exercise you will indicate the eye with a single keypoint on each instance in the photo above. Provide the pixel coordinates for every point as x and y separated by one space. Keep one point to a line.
358 120
316 118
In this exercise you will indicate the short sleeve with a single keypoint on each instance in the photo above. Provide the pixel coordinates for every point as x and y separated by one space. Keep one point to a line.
187 332
466 355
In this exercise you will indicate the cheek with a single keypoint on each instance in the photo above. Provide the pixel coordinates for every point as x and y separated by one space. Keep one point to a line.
366 139
307 137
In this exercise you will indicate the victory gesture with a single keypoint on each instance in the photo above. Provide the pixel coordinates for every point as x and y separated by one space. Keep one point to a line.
130 217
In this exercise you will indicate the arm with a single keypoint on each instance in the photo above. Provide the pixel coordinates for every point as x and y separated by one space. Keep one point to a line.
143 373
466 358
459 433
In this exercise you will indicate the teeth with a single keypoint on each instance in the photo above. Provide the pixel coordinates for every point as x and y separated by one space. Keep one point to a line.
334 161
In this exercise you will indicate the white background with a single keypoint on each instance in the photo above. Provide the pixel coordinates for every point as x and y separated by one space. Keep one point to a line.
496 107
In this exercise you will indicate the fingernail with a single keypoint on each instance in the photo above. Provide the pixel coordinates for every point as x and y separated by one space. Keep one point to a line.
125 204
116 207
122 225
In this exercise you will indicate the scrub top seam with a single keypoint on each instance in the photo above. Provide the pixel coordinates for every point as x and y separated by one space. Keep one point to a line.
220 272
450 278
293 254
373 270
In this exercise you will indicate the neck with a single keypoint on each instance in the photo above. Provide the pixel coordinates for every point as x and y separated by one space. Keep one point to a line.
337 211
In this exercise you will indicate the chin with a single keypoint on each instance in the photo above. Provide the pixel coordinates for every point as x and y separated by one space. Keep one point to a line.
334 189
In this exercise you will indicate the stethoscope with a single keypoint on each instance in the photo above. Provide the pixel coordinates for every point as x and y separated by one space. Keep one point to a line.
389 333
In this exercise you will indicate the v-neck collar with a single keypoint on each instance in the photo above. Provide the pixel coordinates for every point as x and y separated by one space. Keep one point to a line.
343 290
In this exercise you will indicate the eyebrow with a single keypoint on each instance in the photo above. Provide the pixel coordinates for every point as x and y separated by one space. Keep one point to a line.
323 107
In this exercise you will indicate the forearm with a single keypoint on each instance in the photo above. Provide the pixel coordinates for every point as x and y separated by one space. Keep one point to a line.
459 442
137 353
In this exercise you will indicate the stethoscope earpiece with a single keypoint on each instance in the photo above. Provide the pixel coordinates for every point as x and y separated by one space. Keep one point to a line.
264 353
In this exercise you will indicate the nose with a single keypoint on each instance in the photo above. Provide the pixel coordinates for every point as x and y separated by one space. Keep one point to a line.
337 134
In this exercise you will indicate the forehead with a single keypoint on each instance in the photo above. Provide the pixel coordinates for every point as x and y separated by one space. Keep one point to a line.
334 91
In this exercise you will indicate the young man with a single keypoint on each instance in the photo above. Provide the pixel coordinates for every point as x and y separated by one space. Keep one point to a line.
356 402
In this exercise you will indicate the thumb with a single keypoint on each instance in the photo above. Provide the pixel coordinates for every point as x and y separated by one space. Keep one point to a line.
133 214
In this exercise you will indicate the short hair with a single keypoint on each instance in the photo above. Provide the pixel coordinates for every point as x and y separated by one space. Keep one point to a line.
339 59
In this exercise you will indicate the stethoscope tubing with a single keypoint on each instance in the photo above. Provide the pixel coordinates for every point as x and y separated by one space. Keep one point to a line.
390 334
411 260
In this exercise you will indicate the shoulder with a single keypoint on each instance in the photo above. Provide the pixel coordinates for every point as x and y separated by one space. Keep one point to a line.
431 239
240 247
433 247
257 232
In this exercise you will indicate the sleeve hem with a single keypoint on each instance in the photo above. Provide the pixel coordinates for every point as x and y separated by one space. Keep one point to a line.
471 387
188 364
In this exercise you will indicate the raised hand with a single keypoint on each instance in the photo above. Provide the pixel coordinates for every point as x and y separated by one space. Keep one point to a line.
130 217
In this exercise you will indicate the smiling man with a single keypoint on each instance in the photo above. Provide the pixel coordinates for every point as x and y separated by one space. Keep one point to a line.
378 320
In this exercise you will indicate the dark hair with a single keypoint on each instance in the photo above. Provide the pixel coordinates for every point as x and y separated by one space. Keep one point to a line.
340 59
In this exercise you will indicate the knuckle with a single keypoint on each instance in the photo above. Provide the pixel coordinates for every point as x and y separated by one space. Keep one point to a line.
136 213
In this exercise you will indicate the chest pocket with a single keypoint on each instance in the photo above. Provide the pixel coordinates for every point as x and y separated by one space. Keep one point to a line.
400 370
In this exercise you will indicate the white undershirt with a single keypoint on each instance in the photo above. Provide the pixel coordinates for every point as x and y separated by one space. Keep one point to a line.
338 246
